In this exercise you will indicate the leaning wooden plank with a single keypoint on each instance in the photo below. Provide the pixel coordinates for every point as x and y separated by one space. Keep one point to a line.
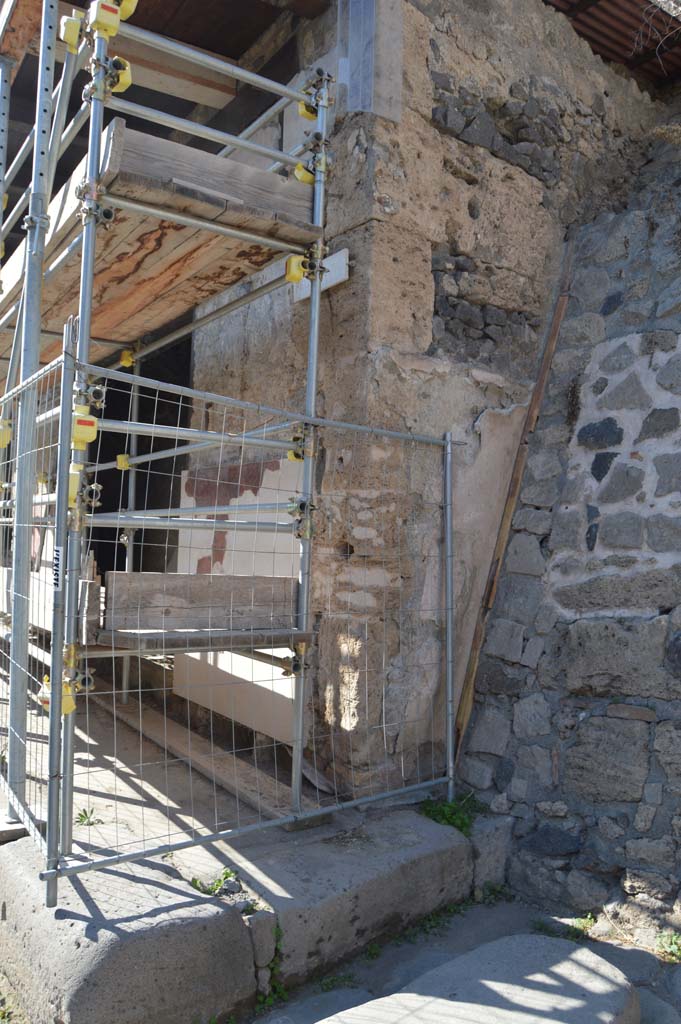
156 600
270 797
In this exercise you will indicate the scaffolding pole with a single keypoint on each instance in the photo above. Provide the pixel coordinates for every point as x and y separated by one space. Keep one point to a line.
132 498
448 526
303 611
36 229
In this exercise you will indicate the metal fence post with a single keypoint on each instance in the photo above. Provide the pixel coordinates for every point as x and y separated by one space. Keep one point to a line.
90 208
130 533
36 227
58 609
320 164
448 526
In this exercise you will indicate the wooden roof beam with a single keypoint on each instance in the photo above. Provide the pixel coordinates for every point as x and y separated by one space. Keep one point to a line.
581 7
19 23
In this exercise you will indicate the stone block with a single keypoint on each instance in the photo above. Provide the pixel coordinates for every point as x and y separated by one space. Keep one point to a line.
608 762
552 841
669 376
517 791
132 944
476 773
647 883
628 394
544 493
668 473
644 590
587 329
621 530
660 341
537 761
505 640
532 717
492 840
669 301
603 657
566 530
586 891
663 533
600 467
667 746
524 556
532 652
654 853
655 1010
490 734
644 818
652 793
519 598
601 434
533 520
624 481
481 131
631 712
262 927
553 809
620 358
659 423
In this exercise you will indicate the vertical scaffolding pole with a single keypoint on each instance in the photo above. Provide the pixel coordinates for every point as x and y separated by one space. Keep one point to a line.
58 610
36 229
5 88
132 487
448 526
303 617
90 211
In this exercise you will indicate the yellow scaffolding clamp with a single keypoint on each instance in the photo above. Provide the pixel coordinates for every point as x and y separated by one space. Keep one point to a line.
69 30
123 462
301 173
307 110
296 269
68 703
121 74
126 358
5 433
105 16
84 429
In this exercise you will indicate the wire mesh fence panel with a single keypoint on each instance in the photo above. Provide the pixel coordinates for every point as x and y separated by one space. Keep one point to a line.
25 653
191 640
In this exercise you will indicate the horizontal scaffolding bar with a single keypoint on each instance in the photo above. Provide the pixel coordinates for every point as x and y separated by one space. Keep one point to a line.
139 521
207 510
206 60
263 410
163 453
44 371
189 433
65 870
162 213
121 643
209 318
201 131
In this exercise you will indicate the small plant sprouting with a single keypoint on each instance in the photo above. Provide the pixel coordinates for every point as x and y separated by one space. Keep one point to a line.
578 931
459 813
5 1014
215 887
335 981
669 946
86 817
372 952
278 992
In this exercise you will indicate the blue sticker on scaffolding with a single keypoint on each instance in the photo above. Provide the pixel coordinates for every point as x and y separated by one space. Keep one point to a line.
58 568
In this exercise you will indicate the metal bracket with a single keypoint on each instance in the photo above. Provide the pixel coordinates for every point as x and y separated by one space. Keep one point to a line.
41 221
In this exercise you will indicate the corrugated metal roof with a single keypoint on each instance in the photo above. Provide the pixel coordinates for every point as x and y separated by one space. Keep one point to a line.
635 33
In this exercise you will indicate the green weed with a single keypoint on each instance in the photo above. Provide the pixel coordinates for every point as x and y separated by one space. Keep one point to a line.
213 888
578 931
278 992
669 946
459 813
335 981
86 817
372 952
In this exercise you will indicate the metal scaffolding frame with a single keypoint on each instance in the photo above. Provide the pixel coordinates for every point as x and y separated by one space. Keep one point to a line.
64 653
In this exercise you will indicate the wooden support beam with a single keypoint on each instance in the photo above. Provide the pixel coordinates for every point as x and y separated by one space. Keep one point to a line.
580 7
304 8
19 23
465 706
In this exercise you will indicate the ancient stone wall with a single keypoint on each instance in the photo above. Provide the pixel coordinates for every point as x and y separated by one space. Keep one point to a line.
454 217
577 729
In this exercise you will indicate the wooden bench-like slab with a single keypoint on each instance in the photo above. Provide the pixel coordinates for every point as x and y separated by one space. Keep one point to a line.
182 601
148 271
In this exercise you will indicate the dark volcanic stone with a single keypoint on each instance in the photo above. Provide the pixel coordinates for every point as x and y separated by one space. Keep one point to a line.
612 303
673 653
599 386
600 434
503 773
481 131
658 423
601 464
550 841
591 536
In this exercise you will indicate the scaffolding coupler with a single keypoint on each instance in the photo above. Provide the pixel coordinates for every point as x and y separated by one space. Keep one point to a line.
105 16
84 429
70 28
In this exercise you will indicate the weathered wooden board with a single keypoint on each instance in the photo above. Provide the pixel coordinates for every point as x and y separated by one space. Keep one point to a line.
150 271
179 601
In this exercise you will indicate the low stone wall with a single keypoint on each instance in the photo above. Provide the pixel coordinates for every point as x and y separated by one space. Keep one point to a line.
577 731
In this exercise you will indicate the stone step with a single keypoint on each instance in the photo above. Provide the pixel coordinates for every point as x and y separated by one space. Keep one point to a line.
521 979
